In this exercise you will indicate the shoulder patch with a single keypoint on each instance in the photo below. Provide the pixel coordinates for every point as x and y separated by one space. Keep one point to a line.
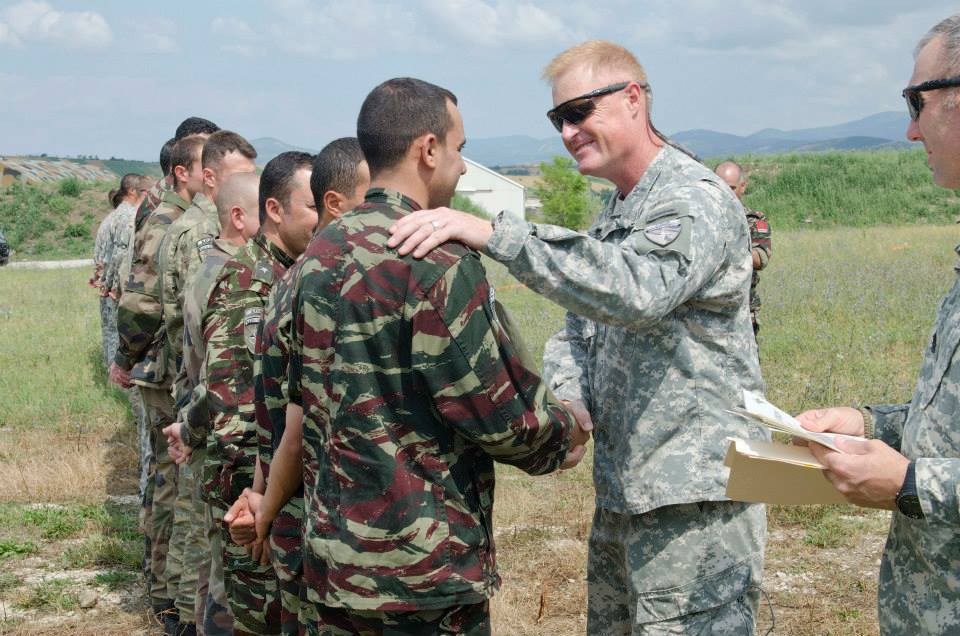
205 244
263 272
663 234
252 317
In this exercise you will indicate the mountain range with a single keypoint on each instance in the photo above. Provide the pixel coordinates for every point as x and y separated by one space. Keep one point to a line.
882 130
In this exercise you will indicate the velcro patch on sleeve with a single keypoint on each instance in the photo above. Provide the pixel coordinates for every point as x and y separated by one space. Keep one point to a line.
252 317
664 233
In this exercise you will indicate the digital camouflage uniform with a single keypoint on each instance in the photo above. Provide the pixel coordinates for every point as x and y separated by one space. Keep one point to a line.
919 589
231 323
102 253
411 388
271 400
143 351
760 244
213 611
658 345
181 254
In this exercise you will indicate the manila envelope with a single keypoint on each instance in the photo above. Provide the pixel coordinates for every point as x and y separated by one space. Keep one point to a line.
767 472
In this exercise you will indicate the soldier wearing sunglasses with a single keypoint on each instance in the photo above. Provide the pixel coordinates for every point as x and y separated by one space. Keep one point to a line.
910 463
657 346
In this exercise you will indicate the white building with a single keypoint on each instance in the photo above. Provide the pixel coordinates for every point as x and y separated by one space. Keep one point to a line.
491 190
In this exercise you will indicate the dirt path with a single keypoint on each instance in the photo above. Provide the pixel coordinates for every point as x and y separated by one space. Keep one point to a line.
80 262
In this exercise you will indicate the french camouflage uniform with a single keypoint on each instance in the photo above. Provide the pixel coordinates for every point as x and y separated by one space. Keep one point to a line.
152 200
181 253
657 344
760 244
412 385
144 352
115 274
231 324
213 611
271 399
919 588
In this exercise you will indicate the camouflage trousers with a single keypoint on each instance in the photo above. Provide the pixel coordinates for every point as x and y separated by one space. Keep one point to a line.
462 620
286 556
139 408
108 329
683 569
189 549
217 617
160 496
252 589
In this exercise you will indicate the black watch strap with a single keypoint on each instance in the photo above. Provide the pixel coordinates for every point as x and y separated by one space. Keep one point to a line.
908 502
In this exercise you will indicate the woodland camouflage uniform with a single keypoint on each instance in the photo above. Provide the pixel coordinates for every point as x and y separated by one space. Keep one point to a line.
143 351
181 254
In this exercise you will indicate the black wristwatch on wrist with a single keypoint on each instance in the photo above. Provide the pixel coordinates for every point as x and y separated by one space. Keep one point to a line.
908 503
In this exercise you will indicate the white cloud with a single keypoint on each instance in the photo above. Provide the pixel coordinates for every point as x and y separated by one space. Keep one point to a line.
503 21
156 35
232 27
32 20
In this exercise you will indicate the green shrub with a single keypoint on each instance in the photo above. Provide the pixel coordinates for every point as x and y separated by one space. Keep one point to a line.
60 205
77 230
70 187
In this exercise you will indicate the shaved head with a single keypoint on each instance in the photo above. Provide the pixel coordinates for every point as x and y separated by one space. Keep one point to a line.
733 175
240 189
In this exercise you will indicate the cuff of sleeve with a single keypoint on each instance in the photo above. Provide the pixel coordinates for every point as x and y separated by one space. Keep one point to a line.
509 235
888 422
937 484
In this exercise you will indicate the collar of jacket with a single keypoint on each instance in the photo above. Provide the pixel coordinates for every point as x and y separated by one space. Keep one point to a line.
275 252
392 198
171 197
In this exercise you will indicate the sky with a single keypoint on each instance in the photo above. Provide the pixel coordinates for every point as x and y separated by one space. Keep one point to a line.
114 78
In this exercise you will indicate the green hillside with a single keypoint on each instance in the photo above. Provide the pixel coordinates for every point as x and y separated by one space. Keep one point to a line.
857 189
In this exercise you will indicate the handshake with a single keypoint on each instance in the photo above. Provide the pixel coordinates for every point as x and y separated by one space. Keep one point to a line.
580 434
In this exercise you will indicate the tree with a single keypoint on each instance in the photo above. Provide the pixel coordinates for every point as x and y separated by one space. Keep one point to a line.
465 204
565 194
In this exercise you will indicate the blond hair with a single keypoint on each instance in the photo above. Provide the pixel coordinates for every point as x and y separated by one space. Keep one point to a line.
596 54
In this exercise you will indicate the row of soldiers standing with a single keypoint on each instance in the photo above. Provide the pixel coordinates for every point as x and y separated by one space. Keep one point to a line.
210 240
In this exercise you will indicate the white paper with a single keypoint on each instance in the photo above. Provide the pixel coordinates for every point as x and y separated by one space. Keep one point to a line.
757 408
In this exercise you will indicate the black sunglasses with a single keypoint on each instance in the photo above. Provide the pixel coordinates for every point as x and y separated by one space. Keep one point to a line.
915 99
577 109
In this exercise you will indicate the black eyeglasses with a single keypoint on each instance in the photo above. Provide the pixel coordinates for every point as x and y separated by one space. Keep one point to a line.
577 109
914 97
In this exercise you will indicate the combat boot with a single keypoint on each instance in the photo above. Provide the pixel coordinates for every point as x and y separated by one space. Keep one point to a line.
171 622
187 629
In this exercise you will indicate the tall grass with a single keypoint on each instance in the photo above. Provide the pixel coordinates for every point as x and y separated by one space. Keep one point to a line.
832 189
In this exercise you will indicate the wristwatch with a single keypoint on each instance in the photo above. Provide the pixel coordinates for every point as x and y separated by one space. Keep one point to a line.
908 503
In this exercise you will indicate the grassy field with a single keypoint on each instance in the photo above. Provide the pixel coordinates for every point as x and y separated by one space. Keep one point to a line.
846 313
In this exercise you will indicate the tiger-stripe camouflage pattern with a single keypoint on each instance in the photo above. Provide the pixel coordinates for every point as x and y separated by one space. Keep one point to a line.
195 296
761 244
411 388
270 389
231 323
459 620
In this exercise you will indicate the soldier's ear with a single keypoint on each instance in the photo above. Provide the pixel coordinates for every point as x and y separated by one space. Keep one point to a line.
274 210
180 174
333 203
429 150
209 178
